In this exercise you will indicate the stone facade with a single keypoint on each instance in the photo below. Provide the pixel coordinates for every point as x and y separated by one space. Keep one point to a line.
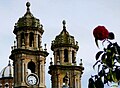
64 72
27 53
29 57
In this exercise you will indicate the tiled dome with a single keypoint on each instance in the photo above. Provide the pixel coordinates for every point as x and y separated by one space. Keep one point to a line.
7 71
64 39
28 20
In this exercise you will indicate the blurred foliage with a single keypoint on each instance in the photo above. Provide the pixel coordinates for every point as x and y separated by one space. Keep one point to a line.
108 64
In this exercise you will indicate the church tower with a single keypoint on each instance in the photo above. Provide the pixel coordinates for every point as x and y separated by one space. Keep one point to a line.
64 71
28 56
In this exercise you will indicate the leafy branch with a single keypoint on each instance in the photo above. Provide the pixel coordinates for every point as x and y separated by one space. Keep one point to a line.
107 62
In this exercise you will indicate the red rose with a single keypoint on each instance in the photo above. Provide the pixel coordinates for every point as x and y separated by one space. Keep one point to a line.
100 33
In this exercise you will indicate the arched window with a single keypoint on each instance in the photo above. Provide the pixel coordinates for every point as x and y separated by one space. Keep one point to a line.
31 66
65 55
22 38
31 39
73 57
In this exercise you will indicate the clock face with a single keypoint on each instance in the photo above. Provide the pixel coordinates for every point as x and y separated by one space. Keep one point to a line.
32 79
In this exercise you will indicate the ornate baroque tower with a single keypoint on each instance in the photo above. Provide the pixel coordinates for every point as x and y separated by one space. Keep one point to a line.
27 53
64 72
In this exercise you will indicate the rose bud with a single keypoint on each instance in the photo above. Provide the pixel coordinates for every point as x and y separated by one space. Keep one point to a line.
100 33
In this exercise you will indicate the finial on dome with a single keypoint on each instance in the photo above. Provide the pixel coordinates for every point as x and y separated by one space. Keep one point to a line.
9 63
28 5
64 23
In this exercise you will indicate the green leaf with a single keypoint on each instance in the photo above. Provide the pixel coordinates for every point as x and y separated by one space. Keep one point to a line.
109 62
101 73
105 80
111 36
91 83
118 59
118 49
103 58
109 46
96 64
117 71
99 83
109 78
98 54
114 76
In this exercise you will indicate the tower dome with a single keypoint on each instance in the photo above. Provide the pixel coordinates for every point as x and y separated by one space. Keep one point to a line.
28 20
64 39
7 72
6 77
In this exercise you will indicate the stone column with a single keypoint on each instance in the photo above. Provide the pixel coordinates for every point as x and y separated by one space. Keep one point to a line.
74 79
44 75
22 74
70 56
58 79
61 56
16 74
19 72
54 81
27 40
79 80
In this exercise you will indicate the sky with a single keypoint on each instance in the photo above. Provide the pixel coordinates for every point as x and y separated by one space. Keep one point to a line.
81 16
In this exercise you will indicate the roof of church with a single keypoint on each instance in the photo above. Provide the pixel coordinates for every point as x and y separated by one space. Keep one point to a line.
7 71
64 39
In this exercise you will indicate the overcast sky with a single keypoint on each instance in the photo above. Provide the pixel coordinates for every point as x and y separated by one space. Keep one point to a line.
81 16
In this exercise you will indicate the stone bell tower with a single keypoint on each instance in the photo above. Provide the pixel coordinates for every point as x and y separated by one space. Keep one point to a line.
27 53
64 71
